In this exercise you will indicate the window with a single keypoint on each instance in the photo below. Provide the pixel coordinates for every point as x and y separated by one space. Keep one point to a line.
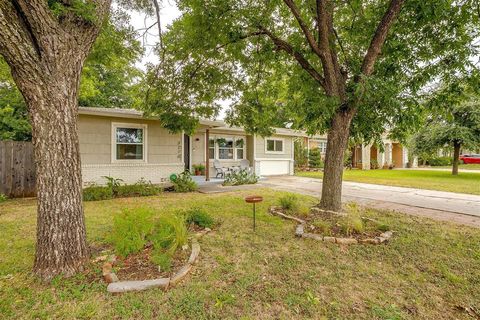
225 148
129 142
323 147
274 145
240 148
211 148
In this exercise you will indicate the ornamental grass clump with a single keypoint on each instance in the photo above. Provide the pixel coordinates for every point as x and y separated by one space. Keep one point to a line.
199 217
131 228
289 203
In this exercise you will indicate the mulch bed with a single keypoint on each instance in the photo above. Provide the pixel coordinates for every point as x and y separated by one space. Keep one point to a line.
139 266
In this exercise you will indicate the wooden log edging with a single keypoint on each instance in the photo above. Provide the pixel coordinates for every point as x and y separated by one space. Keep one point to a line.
300 232
116 286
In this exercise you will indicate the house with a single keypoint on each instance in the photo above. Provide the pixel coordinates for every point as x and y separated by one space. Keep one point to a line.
370 156
124 144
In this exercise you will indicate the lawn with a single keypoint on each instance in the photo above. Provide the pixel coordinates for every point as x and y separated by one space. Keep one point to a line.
429 270
470 166
465 182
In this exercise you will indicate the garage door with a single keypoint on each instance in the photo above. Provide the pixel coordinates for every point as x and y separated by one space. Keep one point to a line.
274 167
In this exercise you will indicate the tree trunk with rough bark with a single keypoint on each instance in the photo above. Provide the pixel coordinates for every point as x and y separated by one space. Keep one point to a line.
456 157
46 55
337 142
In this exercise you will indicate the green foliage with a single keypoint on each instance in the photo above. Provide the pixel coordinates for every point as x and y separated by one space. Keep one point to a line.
169 233
78 8
352 223
114 189
439 161
142 188
162 259
315 158
374 164
324 227
240 177
96 193
113 184
289 202
199 217
184 183
130 230
300 154
3 198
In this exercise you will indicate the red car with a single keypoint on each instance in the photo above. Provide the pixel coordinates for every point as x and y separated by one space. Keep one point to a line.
470 158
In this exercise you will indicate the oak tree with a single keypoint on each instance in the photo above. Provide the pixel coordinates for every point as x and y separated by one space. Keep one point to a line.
342 67
45 43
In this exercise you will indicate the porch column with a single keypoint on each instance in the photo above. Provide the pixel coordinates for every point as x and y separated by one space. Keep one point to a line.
207 155
366 156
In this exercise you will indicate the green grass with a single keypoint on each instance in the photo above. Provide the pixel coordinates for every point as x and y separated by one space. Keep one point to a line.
430 269
465 182
471 166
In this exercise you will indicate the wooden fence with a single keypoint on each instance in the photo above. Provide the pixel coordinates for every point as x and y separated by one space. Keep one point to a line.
17 169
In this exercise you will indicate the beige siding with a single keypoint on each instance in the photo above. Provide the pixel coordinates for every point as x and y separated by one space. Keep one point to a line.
287 148
164 151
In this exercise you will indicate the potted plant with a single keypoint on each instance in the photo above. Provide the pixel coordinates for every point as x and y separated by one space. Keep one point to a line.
201 167
196 169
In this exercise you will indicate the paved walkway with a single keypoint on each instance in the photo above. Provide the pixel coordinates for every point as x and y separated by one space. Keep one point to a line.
446 206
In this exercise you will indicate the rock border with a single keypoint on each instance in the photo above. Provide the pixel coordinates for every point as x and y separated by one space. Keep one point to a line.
117 286
300 230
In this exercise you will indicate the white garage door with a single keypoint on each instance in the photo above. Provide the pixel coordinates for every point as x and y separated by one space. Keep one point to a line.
274 167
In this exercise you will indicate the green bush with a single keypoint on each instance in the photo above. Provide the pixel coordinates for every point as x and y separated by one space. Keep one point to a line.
3 198
169 233
141 188
439 161
239 178
130 230
300 154
352 223
113 184
315 158
199 217
96 193
289 202
183 182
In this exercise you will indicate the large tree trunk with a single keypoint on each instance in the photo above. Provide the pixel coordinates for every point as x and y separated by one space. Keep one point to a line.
61 238
337 142
456 156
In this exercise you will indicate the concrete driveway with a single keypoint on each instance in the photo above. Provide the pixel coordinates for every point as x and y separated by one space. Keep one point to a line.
446 206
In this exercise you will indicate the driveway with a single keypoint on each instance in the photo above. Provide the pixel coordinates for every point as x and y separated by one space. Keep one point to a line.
446 206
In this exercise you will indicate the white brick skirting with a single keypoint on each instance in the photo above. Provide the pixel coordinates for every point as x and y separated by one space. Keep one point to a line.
130 172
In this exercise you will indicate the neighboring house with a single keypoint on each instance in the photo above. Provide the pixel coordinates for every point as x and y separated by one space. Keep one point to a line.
369 156
122 143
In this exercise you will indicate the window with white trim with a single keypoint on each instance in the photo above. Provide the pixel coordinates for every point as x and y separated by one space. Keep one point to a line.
240 148
274 145
129 142
211 148
322 145
225 148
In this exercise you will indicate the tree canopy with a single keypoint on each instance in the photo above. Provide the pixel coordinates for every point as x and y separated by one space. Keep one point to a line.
258 54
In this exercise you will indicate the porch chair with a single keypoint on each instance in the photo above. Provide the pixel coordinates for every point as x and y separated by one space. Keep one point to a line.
220 171
245 165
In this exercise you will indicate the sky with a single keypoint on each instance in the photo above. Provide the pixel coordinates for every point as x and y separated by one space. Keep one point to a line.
168 13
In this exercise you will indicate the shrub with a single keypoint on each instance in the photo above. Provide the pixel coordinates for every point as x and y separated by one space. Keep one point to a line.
169 233
130 230
113 184
183 182
374 164
289 202
141 188
239 178
315 158
3 198
440 161
199 217
96 193
300 154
